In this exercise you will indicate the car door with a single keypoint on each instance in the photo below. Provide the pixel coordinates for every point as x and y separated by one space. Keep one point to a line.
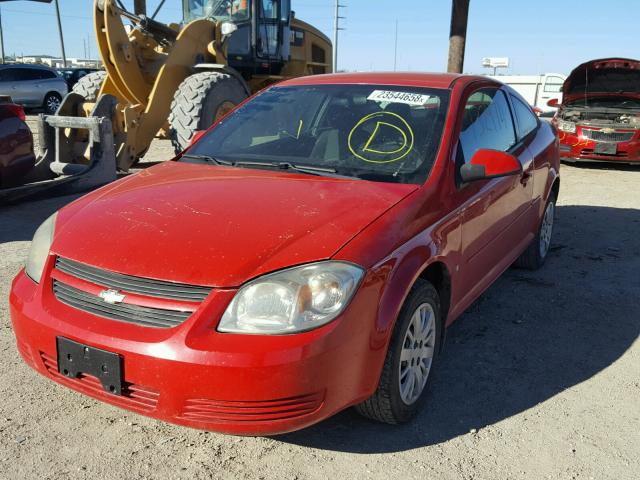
24 87
494 212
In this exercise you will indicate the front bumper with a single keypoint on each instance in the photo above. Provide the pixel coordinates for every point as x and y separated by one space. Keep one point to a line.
194 376
576 147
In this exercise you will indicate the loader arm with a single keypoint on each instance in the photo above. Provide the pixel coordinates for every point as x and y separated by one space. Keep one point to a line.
143 72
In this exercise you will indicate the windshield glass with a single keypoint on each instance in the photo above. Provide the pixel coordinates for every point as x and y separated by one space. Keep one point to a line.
382 133
221 10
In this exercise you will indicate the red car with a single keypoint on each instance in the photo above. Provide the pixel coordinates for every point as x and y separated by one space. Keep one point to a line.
303 256
599 119
16 144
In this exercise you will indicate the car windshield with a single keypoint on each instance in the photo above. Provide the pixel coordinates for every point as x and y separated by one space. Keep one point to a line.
221 10
381 133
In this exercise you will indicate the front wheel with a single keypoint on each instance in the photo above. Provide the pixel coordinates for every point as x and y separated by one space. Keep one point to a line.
536 253
410 360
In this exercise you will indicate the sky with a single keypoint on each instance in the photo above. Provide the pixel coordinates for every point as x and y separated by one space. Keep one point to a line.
538 36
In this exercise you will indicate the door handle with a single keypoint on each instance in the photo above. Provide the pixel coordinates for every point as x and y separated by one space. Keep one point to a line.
524 179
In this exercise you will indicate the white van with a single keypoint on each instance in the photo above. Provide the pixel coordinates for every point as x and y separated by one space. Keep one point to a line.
536 89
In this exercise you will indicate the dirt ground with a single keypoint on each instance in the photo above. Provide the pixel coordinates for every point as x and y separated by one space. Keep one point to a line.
540 378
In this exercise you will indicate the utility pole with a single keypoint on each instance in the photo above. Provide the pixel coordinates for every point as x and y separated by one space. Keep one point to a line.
458 35
336 29
1 40
140 7
395 53
64 55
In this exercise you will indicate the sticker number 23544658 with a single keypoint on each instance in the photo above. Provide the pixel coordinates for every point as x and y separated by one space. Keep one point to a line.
398 97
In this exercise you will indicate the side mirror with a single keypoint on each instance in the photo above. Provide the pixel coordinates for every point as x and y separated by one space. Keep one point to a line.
553 103
487 163
197 136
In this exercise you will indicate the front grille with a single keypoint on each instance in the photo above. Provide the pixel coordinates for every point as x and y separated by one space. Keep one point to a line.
131 284
134 397
208 410
602 136
150 317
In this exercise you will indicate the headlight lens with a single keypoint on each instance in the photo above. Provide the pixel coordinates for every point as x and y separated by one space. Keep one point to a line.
293 300
40 246
566 126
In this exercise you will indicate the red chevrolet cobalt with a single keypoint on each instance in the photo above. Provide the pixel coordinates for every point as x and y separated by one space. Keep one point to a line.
303 256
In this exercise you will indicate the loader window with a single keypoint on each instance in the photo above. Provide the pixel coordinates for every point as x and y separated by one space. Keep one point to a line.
222 10
379 133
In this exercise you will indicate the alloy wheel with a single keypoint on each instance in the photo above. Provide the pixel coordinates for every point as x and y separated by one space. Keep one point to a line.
417 353
546 229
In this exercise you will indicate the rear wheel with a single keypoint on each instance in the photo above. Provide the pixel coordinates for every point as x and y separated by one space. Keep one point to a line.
536 253
201 100
52 102
89 86
410 359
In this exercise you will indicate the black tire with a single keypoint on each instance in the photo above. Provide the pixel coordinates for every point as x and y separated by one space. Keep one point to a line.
89 86
534 256
386 404
51 103
199 101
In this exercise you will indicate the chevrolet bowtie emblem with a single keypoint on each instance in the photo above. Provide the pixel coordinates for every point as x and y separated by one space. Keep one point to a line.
112 296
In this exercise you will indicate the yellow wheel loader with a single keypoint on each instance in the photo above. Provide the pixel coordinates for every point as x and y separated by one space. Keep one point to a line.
171 80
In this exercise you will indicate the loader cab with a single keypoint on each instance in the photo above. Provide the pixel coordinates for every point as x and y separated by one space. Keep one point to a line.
261 44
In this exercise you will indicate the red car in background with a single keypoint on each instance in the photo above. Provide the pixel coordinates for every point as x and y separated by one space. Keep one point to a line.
599 118
304 255
16 144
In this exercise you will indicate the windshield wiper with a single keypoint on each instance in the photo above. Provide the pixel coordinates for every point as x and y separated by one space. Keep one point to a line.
310 169
192 158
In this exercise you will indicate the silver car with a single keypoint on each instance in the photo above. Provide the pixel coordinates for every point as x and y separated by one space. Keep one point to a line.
33 86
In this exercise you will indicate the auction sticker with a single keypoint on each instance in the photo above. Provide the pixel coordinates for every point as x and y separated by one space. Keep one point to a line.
398 97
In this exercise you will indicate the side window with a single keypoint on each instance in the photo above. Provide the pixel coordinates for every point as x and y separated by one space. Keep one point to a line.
486 123
525 118
553 84
26 74
46 74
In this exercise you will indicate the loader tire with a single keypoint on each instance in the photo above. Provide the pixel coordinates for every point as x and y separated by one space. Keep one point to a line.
89 85
201 99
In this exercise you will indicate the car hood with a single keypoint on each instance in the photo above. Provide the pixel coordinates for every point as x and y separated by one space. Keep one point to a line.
217 226
603 77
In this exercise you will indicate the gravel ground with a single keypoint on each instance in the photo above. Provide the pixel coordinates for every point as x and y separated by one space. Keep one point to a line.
540 378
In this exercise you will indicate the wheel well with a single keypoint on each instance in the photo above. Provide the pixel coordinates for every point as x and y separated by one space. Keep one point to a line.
52 92
438 275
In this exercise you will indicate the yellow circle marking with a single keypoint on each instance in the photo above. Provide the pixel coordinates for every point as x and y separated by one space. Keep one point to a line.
407 136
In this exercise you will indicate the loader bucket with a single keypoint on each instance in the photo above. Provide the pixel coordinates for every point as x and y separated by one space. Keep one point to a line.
55 173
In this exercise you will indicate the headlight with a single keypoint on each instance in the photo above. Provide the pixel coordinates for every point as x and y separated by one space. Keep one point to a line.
293 300
566 126
40 248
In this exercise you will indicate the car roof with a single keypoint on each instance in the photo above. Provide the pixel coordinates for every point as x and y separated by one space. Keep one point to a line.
406 79
25 65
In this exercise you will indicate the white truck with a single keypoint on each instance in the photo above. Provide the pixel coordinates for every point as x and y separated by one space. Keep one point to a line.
536 89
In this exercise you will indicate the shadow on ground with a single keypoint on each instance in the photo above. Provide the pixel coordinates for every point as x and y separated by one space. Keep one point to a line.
19 222
529 337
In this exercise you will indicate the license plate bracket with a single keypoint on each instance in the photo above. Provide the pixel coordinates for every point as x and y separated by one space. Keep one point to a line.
606 148
75 358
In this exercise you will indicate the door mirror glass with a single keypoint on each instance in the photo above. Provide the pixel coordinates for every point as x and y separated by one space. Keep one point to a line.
487 163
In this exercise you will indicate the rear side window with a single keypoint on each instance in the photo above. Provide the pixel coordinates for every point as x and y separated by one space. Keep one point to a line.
45 74
486 123
526 120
